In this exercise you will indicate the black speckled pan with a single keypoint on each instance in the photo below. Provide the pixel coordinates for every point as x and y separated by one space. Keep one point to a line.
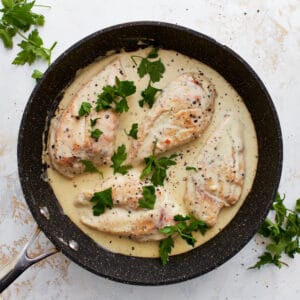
58 227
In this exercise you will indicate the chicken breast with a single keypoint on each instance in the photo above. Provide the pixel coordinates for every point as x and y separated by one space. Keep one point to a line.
180 114
220 173
70 138
126 218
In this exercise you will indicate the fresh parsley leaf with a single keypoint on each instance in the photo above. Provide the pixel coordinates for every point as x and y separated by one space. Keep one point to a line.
153 53
101 201
118 158
297 208
96 133
184 228
133 131
32 48
149 197
18 13
37 75
158 167
148 96
165 248
188 168
94 121
85 109
267 258
155 70
284 234
279 208
114 97
90 167
7 32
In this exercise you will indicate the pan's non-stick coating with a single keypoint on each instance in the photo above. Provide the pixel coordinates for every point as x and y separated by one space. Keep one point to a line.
58 227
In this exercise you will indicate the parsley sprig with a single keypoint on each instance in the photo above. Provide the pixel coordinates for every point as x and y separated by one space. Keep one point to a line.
16 19
155 70
283 232
114 97
184 228
157 166
117 160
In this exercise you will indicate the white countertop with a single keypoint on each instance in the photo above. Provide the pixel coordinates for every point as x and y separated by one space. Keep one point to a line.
265 33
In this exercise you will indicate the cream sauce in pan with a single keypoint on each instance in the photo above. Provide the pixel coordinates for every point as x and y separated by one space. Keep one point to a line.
227 102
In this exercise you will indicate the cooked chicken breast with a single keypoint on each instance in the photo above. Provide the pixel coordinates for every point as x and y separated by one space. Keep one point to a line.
70 138
126 218
220 173
180 114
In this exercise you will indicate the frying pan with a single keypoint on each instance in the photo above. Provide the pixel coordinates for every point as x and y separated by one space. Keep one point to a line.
66 236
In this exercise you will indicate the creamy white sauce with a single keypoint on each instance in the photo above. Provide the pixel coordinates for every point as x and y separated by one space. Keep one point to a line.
227 102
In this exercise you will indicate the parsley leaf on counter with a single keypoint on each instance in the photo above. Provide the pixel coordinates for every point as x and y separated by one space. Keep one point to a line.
133 131
17 17
155 70
114 97
32 48
284 234
184 228
37 75
149 197
85 109
102 200
158 167
118 158
90 167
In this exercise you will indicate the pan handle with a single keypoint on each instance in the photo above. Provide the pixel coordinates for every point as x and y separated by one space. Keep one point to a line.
21 262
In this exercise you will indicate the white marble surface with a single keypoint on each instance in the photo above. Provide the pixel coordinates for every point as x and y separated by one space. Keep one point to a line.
265 33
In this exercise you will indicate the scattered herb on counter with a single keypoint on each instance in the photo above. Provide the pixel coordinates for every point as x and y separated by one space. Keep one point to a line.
155 70
149 197
157 166
114 97
37 75
118 158
101 201
133 131
89 167
184 228
189 168
16 19
284 234
85 109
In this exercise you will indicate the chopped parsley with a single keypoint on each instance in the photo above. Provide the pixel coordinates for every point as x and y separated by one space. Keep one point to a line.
118 158
158 167
155 70
133 131
114 97
90 167
84 109
189 168
184 228
37 75
101 201
149 197
96 133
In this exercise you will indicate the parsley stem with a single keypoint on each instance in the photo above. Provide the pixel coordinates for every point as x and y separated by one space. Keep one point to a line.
41 5
132 58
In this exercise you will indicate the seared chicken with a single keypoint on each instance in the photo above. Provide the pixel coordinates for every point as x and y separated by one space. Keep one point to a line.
126 218
70 138
180 114
220 173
